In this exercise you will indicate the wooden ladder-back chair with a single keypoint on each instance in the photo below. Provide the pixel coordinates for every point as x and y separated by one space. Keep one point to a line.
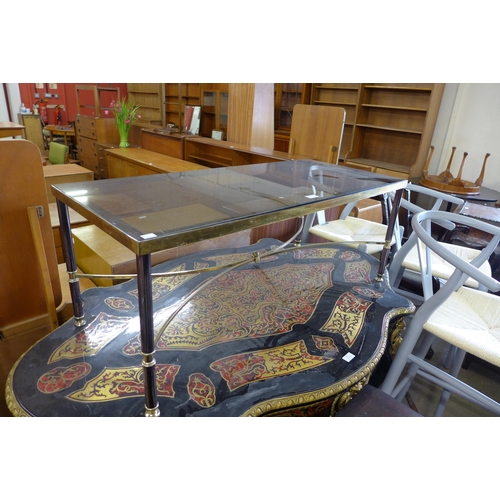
466 318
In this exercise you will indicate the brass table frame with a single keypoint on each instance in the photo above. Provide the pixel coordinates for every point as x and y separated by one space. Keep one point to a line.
262 183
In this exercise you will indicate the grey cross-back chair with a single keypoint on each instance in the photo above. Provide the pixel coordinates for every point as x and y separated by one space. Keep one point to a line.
466 318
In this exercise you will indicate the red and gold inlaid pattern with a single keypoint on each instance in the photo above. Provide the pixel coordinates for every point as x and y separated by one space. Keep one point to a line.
116 383
245 304
92 338
357 272
166 284
324 343
242 369
201 390
347 317
62 377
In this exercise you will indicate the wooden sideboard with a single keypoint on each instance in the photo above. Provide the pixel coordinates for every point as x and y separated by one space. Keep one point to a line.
214 153
129 162
161 141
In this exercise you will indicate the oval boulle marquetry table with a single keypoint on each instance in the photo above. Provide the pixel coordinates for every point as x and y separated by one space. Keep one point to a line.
271 329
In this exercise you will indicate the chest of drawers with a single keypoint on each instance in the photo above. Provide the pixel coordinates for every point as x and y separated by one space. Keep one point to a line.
91 131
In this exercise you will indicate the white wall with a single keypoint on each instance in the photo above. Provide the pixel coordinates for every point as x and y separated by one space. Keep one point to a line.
469 119
15 102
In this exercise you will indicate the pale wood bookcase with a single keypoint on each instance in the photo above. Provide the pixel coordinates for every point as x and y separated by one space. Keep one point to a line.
177 97
149 97
286 96
214 109
394 126
343 95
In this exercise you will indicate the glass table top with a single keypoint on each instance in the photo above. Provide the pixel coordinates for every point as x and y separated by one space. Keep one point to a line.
155 212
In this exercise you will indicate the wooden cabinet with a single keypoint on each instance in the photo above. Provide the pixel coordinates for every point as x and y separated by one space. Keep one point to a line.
131 162
177 97
170 144
102 159
343 95
394 126
214 110
214 153
91 131
287 95
149 96
250 119
92 100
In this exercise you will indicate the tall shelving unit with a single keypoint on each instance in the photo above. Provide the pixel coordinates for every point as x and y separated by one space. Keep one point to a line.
149 97
286 96
394 126
177 97
343 95
214 109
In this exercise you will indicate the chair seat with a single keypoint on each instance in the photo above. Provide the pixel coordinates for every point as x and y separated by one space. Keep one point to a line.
353 229
470 320
443 269
372 402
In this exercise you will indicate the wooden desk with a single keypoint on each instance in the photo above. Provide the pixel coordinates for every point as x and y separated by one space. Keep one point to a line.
60 130
170 144
10 129
60 174
130 162
213 153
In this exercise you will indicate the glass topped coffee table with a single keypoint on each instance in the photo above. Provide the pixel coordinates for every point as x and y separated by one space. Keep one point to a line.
157 212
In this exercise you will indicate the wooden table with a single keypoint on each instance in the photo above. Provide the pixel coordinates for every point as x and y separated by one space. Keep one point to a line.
296 335
60 174
128 162
152 213
10 129
60 130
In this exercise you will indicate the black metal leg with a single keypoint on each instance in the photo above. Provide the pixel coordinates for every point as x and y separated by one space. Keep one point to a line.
69 257
388 236
144 285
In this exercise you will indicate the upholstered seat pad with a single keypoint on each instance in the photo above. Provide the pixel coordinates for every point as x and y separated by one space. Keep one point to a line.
353 229
443 269
470 320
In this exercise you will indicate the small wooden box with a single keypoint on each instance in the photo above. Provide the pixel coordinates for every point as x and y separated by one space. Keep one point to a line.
98 253
61 174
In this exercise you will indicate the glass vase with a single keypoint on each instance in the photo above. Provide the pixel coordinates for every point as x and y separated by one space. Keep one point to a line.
123 138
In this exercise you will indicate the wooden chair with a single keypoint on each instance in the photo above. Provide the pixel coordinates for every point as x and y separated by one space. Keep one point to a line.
317 132
28 260
58 154
466 318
